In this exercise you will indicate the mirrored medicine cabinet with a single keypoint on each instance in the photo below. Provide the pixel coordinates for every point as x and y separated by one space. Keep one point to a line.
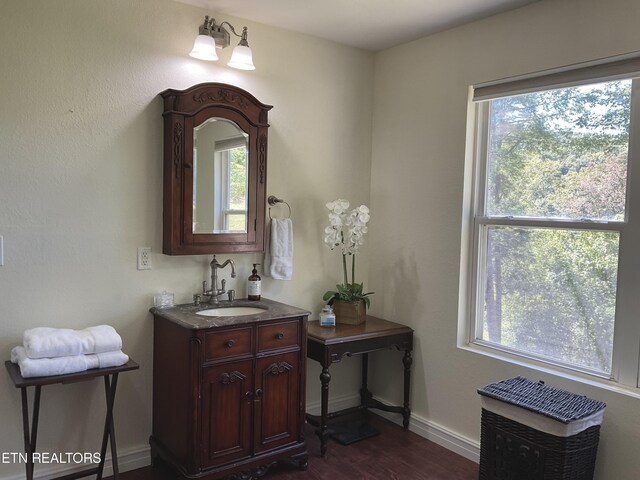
215 170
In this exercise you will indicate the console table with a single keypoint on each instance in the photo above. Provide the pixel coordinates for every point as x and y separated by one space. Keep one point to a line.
110 382
328 345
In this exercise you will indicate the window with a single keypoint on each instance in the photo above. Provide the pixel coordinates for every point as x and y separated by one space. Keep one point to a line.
554 233
231 185
233 192
220 179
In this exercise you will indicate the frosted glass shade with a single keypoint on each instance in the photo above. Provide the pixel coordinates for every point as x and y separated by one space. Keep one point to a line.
242 58
204 48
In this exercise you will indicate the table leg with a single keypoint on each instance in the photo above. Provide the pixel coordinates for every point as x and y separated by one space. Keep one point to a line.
112 436
365 394
406 411
109 433
325 378
30 438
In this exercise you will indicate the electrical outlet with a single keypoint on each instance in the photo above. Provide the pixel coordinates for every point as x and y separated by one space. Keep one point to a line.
144 258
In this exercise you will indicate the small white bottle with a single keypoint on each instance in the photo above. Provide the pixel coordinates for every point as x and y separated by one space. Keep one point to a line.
327 317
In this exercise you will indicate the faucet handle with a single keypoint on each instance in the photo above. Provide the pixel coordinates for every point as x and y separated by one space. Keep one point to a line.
224 284
232 294
204 287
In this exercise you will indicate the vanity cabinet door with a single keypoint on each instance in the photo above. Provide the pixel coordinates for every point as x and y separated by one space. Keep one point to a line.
277 401
227 402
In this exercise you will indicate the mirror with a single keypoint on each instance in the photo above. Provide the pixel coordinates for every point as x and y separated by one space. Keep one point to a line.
220 177
215 170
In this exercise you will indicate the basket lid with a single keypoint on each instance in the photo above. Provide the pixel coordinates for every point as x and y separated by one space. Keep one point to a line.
537 397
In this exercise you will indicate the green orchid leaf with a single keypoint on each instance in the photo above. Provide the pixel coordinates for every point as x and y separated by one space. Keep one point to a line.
343 290
350 292
328 295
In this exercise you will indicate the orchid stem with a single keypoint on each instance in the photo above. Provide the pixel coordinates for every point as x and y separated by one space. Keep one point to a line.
344 268
353 269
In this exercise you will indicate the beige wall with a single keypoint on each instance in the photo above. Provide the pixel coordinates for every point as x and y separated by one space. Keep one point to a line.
420 107
81 175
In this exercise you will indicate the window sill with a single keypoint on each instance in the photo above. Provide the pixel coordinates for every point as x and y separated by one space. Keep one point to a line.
557 371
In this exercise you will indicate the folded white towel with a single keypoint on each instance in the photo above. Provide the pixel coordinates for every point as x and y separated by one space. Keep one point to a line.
109 359
45 367
46 342
279 256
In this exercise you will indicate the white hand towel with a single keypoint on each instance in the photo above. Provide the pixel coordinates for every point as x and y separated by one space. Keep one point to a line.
266 261
46 342
281 249
45 367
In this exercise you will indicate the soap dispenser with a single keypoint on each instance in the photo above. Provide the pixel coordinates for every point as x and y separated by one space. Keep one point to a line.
254 284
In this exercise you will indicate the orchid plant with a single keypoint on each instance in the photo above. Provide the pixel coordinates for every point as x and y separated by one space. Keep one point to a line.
346 231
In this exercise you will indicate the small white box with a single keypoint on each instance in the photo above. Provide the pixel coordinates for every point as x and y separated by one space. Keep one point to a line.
162 300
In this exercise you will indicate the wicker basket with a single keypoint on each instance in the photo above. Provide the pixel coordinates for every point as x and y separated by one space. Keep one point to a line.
510 450
351 313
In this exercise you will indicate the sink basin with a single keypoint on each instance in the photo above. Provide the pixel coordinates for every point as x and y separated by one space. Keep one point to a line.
230 311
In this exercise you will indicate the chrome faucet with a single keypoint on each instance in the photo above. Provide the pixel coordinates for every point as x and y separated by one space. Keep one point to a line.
215 292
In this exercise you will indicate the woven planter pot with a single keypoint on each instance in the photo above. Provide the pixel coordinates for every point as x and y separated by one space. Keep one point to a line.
350 313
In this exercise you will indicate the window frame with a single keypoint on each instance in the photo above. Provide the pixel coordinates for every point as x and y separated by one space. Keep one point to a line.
226 210
222 154
625 367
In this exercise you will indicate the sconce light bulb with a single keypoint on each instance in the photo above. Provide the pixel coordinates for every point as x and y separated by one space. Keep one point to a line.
242 58
204 48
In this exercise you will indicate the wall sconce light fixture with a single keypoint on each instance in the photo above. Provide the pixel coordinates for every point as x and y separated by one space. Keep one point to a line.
212 35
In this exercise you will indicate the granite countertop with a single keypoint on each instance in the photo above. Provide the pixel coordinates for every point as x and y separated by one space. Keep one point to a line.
185 314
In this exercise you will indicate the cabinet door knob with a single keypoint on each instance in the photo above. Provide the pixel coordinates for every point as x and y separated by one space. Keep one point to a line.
188 165
259 393
230 343
279 336
249 395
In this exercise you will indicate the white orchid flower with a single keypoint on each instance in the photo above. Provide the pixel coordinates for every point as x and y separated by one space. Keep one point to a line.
347 228
335 220
364 217
339 206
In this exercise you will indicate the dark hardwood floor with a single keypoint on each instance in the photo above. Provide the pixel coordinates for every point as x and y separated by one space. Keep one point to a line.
392 455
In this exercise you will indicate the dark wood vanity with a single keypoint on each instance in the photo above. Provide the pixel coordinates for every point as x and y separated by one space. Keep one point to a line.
229 392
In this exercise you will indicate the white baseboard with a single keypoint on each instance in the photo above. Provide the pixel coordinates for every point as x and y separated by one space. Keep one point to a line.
128 459
438 434
335 403
425 428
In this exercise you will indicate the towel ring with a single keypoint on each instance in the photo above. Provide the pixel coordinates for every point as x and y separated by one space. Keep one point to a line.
273 200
